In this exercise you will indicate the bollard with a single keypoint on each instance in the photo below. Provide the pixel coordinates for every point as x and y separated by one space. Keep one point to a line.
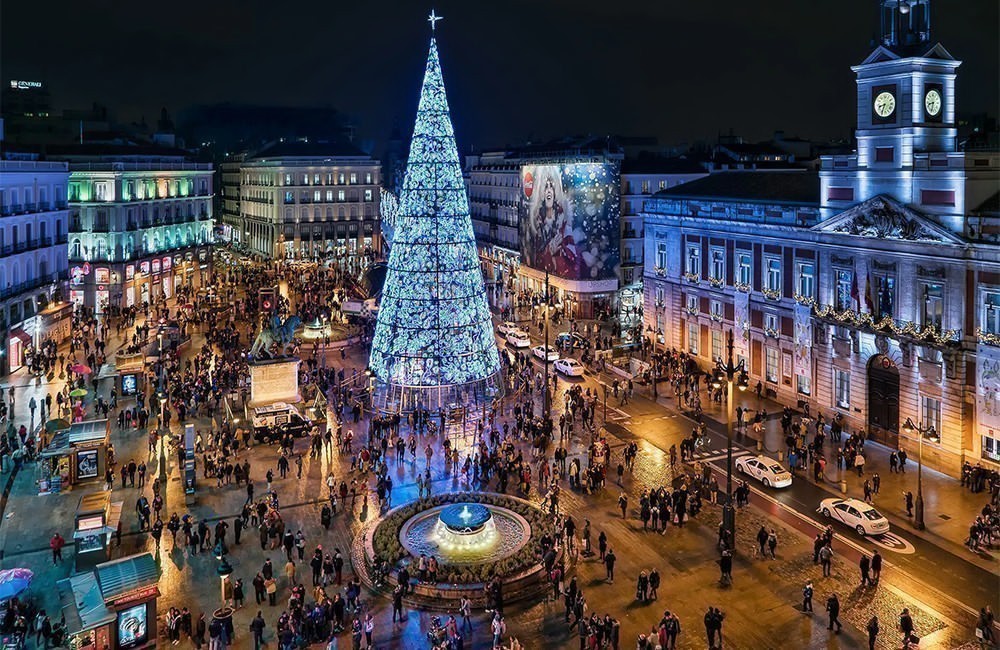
760 446
843 485
781 456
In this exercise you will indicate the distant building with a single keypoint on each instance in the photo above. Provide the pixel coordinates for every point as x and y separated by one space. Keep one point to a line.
230 219
870 290
310 201
140 223
33 262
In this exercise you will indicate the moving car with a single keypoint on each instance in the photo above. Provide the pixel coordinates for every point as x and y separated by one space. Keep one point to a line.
769 472
540 352
857 514
569 367
518 339
506 328
572 341
273 421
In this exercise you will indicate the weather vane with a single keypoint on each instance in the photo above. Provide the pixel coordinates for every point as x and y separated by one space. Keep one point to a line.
432 19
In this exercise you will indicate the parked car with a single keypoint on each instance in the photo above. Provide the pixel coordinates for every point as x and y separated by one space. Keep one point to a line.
857 514
569 367
506 328
540 352
518 339
572 341
766 470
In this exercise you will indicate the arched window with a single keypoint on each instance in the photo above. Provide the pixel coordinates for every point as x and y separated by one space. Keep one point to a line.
76 253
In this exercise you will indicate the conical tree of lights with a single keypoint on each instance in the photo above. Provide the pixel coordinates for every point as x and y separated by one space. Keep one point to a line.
433 344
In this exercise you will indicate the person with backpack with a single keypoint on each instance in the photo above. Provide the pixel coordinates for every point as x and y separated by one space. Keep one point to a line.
906 627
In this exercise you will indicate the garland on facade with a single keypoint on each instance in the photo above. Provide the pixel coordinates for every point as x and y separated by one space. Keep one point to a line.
693 278
888 324
771 294
745 288
718 283
987 338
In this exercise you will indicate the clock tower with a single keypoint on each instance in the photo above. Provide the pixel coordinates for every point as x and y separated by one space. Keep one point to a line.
907 141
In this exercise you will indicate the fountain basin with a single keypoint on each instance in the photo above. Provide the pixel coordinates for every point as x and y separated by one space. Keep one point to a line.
465 533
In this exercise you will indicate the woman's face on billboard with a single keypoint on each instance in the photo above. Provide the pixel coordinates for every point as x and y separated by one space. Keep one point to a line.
549 195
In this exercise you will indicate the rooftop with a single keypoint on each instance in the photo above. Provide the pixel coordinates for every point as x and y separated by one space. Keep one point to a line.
660 165
763 186
314 149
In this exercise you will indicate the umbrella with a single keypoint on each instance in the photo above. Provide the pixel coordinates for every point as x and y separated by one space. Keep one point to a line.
81 369
13 582
57 424
78 392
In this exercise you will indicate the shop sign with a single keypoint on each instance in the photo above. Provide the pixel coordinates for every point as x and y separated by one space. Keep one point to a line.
144 267
156 266
102 275
143 593
166 263
129 272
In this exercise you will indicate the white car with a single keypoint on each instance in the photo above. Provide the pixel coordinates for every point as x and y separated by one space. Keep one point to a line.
540 352
857 514
769 472
569 367
519 339
506 328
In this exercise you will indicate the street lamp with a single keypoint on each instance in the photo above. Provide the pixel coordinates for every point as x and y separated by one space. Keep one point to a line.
921 431
163 444
546 406
734 375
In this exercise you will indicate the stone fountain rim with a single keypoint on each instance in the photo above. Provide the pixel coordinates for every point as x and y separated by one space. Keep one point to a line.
429 512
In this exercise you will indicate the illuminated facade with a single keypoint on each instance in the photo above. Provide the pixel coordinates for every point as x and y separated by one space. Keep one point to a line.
140 226
433 344
33 264
870 289
310 201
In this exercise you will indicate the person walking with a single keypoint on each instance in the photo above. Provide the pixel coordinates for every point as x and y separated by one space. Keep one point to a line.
826 559
876 566
865 565
873 631
609 564
906 627
833 609
807 597
257 628
623 504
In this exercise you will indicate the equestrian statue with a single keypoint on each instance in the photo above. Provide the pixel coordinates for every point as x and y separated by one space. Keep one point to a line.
276 333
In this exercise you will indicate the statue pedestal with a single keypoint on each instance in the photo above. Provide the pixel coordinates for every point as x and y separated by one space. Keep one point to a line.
274 380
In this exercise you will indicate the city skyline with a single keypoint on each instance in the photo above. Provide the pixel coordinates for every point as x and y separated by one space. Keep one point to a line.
633 71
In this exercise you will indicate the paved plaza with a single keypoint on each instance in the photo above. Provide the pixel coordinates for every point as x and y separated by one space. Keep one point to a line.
761 606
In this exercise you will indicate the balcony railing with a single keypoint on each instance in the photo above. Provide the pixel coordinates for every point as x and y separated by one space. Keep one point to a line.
22 287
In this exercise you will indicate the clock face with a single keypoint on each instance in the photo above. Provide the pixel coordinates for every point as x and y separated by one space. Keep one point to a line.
932 102
884 104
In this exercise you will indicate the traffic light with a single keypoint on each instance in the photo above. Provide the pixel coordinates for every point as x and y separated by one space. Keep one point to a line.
266 299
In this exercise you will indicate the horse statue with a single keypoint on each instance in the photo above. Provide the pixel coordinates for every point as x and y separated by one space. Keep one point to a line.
276 333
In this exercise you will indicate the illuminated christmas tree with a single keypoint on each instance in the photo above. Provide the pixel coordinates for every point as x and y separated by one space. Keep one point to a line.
433 343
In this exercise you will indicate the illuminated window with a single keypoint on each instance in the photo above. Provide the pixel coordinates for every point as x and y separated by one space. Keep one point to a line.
930 413
771 364
771 322
774 274
368 178
933 306
694 260
842 388
991 312
315 179
845 283
693 338
661 255
692 304
368 195
354 179
715 307
716 345
745 268
317 196
885 295
340 178
803 384
807 280
645 187
341 195
329 196
718 264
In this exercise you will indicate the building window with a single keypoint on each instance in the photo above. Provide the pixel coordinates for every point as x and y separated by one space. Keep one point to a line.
659 295
885 295
315 179
716 308
645 187
771 364
771 322
693 333
803 385
930 413
316 196
288 179
716 345
718 264
745 269
933 306
368 195
354 179
289 197
991 312
692 304
991 449
773 274
661 255
368 178
842 388
341 195
845 288
329 196
807 280
694 260
340 178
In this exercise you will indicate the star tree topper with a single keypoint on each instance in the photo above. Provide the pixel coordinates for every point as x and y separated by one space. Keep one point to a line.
433 18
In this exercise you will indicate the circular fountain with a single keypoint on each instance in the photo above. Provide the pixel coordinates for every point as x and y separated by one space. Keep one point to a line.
465 533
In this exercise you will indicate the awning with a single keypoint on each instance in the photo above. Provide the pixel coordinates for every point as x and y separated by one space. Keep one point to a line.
21 335
82 604
128 574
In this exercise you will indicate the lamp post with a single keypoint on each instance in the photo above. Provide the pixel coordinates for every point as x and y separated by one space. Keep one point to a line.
921 431
734 375
163 444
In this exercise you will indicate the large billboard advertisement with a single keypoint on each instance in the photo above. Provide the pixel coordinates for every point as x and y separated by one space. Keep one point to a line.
570 222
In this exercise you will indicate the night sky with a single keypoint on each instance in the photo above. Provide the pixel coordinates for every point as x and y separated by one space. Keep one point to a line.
515 70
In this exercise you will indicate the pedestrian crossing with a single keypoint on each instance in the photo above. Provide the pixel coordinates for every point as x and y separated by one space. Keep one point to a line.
717 454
